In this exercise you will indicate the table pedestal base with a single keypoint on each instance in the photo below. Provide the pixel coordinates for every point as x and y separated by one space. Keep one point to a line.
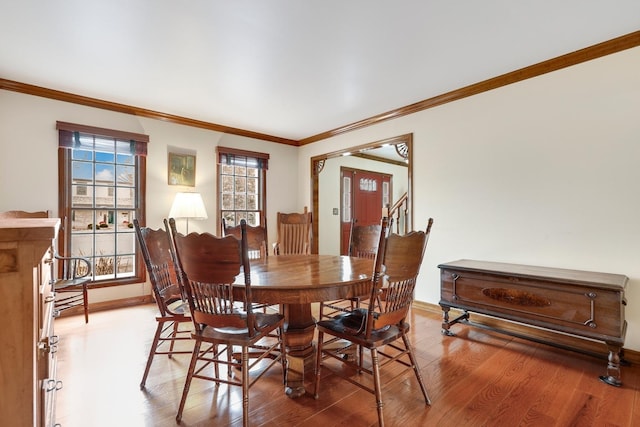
300 327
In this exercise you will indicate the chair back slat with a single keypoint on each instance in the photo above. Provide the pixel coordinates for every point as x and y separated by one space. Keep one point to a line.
294 233
396 269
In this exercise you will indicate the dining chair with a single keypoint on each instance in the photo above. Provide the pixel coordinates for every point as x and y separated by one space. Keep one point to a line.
256 246
209 266
363 243
173 310
256 238
74 273
382 327
294 233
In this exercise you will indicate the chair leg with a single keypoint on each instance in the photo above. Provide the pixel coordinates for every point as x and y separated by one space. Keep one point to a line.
416 368
152 352
316 391
376 384
283 355
187 383
245 386
85 302
174 334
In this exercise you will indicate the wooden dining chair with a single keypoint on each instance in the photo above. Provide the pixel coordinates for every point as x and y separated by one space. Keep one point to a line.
256 246
256 238
209 266
382 327
74 272
173 310
363 243
294 233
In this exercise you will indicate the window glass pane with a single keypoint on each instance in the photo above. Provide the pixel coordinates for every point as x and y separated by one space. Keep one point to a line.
240 171
82 244
104 196
227 201
82 171
124 151
241 184
82 155
82 220
126 175
125 197
105 174
229 218
227 169
227 184
241 202
252 202
252 185
252 172
104 267
252 218
126 264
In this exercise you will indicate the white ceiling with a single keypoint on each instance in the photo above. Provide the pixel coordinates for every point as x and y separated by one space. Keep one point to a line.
289 68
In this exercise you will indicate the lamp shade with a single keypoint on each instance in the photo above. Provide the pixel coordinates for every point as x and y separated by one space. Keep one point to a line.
188 205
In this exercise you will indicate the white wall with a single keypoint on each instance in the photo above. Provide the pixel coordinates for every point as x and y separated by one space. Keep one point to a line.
29 165
542 172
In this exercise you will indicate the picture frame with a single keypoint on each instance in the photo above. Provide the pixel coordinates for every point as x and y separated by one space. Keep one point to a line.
181 170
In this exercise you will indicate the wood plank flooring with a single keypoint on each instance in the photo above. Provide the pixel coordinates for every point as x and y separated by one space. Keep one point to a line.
478 378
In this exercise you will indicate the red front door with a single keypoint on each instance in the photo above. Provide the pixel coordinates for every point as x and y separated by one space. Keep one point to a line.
367 191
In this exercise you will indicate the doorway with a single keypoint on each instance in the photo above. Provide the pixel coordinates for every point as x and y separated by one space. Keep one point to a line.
364 195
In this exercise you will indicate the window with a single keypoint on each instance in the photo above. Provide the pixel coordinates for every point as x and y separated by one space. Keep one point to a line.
242 186
102 187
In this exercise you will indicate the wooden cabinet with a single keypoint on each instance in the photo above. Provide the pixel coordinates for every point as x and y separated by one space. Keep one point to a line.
27 340
578 303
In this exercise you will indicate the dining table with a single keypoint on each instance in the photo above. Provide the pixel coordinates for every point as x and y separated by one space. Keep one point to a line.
295 282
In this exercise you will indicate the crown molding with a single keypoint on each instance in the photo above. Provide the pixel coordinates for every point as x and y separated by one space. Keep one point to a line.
583 55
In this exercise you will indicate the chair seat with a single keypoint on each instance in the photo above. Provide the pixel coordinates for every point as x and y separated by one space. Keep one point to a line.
265 322
179 308
351 326
70 283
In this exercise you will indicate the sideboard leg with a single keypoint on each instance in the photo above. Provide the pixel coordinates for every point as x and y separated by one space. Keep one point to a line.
445 322
613 367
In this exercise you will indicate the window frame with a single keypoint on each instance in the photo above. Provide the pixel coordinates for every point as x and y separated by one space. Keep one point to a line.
263 160
66 131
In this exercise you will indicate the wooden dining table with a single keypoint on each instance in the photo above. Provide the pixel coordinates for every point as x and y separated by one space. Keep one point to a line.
296 281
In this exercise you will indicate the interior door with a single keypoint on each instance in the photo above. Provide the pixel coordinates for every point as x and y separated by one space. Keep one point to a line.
364 194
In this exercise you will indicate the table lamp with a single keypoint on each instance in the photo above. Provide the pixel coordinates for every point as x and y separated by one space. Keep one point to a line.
188 206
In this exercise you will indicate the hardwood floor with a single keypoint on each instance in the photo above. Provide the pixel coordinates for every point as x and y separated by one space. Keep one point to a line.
478 378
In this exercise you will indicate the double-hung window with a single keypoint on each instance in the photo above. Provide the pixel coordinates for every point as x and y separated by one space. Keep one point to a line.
242 186
101 190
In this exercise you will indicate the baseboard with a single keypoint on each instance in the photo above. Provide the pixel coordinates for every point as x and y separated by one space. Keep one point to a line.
108 305
595 348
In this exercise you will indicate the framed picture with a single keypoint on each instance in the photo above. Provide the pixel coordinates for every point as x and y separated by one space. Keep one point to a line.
182 169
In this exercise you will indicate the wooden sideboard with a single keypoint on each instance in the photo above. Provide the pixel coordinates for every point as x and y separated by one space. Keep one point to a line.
27 340
582 304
